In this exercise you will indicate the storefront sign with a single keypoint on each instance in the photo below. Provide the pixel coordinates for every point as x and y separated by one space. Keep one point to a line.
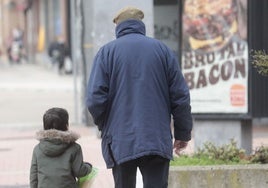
215 55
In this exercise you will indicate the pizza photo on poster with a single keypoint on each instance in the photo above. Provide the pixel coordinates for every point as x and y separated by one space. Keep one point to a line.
215 55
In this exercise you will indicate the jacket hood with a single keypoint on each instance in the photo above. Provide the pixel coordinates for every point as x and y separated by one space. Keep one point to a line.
54 142
130 26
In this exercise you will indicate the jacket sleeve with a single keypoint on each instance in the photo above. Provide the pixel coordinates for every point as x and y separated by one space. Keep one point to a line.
180 101
79 167
97 91
33 172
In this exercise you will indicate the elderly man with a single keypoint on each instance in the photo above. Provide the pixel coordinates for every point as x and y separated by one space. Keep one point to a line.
134 88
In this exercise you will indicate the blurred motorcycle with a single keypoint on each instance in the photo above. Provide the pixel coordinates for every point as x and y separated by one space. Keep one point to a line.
15 52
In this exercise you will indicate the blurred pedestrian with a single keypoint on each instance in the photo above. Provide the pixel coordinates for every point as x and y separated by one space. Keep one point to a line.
57 160
8 45
17 46
134 87
58 51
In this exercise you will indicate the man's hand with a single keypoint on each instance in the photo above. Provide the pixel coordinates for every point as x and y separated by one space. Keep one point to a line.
179 146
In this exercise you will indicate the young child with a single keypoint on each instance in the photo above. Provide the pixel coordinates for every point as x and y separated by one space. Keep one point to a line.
57 160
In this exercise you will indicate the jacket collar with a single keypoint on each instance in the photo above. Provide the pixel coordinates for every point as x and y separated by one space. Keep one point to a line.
130 26
64 136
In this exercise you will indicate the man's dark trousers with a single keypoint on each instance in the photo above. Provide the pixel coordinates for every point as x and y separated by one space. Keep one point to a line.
154 170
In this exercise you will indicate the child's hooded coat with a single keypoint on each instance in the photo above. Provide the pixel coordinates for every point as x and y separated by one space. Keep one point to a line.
57 160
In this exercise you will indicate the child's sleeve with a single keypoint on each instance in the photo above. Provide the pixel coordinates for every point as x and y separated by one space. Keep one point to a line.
80 168
33 172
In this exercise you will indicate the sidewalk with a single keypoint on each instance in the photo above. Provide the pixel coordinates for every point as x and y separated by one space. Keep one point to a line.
26 91
16 146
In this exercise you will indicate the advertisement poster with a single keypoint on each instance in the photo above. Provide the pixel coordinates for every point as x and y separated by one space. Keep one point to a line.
215 55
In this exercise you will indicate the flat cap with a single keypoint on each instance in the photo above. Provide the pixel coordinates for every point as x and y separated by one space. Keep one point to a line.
128 13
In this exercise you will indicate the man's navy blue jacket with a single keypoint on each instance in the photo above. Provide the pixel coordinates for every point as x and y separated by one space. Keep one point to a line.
134 87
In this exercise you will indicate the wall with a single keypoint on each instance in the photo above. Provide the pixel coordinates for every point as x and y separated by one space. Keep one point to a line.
166 25
221 176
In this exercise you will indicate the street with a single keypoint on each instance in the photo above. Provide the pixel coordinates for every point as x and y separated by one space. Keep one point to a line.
28 90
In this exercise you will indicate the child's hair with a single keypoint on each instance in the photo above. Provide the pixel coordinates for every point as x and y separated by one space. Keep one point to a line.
56 118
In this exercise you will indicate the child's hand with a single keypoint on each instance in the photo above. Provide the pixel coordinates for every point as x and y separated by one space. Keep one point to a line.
88 179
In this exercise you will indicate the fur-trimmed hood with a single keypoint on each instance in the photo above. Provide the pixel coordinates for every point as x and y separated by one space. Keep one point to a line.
64 136
54 142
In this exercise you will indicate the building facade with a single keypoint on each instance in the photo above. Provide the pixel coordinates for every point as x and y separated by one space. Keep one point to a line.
12 16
